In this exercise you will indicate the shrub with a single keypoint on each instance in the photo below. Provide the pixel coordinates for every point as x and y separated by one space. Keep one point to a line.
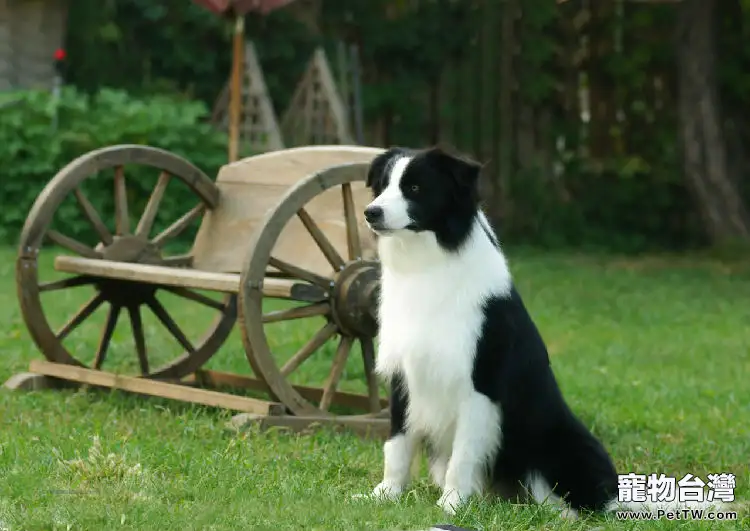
40 134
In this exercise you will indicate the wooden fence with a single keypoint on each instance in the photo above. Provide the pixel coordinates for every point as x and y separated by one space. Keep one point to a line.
605 90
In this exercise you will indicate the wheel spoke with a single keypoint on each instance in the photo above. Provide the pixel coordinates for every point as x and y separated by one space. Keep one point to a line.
93 216
352 232
64 283
384 391
298 272
330 252
122 217
83 314
279 274
136 326
109 328
195 296
299 312
290 290
168 322
317 341
178 260
368 357
176 228
337 369
152 207
70 244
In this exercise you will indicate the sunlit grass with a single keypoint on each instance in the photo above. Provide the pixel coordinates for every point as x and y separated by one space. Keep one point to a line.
653 354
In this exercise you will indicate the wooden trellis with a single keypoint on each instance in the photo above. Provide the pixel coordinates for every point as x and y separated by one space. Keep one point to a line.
316 114
259 128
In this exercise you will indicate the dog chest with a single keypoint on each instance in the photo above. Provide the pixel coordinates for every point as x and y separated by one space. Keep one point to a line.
429 335
428 326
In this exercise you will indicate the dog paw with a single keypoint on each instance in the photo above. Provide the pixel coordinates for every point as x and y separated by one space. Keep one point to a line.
569 513
386 491
450 501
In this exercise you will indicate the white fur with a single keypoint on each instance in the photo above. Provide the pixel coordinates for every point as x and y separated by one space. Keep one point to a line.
430 319
477 438
438 469
541 492
394 205
398 455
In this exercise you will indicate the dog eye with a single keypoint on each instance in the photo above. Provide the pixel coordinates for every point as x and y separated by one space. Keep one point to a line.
415 188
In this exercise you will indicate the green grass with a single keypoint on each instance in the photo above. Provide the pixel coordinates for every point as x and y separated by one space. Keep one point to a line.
653 354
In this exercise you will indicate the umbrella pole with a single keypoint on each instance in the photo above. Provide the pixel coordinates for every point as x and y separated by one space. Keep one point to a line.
235 91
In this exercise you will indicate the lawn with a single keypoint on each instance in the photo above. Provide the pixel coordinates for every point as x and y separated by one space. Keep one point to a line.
653 354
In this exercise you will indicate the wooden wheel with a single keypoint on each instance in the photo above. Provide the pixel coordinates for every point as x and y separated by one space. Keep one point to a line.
123 244
345 308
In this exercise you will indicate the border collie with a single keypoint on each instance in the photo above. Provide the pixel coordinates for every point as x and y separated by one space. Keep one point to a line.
469 372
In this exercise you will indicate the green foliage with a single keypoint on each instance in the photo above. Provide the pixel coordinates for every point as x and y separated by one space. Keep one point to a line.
41 134
405 49
143 47
411 51
538 52
623 205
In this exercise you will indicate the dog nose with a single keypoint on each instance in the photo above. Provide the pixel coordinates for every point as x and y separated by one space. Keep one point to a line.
373 214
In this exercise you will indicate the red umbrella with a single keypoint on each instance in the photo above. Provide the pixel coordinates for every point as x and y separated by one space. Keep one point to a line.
237 9
241 7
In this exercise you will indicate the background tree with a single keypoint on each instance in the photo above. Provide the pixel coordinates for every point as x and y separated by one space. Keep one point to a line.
704 146
578 109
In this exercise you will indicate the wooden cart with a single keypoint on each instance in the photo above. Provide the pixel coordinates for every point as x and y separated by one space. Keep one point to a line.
282 226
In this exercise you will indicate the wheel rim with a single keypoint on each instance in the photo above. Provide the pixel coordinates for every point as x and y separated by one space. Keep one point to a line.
125 243
347 307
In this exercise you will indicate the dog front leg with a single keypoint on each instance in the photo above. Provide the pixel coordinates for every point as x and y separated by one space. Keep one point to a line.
399 449
476 442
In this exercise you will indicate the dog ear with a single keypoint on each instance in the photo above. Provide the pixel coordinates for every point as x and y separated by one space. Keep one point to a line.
376 172
463 170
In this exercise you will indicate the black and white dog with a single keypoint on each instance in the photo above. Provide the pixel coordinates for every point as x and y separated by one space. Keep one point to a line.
470 374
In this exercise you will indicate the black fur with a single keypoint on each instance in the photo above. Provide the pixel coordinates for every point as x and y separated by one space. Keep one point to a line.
441 188
398 404
540 432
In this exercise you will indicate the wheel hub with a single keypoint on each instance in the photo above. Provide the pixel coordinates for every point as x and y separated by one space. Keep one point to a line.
355 298
131 249
124 293
134 250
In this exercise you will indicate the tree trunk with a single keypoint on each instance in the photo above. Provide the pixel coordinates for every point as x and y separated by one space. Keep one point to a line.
434 110
704 150
734 101
501 205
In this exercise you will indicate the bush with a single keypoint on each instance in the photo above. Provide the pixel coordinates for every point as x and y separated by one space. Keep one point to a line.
40 134
624 205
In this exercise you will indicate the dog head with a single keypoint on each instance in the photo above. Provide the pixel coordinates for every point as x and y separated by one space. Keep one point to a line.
422 190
